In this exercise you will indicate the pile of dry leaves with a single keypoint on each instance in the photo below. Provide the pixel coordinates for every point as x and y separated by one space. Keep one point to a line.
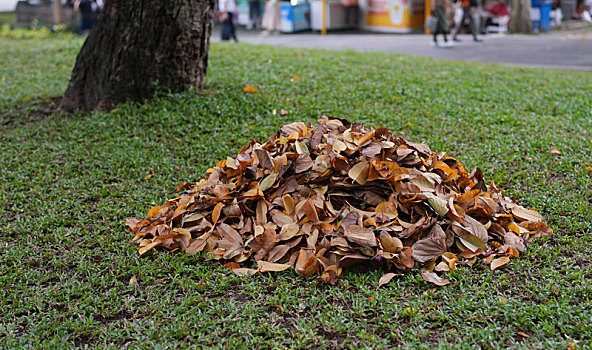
321 198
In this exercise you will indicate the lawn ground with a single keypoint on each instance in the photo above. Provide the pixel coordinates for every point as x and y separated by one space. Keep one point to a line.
69 275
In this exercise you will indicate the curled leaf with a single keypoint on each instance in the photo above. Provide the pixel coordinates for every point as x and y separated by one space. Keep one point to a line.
434 278
499 262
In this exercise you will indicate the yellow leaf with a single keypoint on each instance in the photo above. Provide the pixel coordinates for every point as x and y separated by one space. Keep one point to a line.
265 266
306 263
133 281
288 202
147 176
386 208
146 248
182 231
216 212
153 211
389 243
588 169
250 89
556 151
499 262
295 79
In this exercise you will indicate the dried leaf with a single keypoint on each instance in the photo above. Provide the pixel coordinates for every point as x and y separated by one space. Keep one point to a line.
306 264
439 205
361 236
216 212
265 266
473 243
387 277
146 248
499 262
263 243
359 172
153 211
268 182
428 248
435 279
523 214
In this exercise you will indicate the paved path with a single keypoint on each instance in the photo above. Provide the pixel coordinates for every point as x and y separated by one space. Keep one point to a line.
561 50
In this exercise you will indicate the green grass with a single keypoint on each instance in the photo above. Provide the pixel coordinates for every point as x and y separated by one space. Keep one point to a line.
68 182
7 17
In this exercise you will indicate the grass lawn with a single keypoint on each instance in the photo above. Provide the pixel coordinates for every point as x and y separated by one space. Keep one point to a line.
69 275
7 17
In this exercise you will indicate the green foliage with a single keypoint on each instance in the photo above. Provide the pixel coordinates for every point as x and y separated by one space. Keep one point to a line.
36 32
70 276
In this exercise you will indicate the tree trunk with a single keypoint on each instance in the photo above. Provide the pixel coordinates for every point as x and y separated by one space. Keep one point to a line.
520 21
57 12
137 46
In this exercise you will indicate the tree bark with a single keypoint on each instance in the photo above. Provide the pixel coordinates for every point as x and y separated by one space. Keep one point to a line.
57 12
520 21
138 46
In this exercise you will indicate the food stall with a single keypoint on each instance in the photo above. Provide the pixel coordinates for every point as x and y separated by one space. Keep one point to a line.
393 16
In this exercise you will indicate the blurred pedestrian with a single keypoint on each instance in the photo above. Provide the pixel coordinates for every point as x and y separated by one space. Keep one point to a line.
439 12
496 15
89 14
272 17
254 14
470 11
227 10
556 13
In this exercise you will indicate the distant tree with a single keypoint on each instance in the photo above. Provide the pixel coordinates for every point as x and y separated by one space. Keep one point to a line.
520 21
138 46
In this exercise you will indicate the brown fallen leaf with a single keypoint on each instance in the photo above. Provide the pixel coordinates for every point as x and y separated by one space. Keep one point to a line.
556 151
387 277
435 279
499 262
146 248
265 266
522 334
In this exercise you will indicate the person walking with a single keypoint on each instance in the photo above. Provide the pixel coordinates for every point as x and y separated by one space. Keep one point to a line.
254 14
439 11
272 17
89 13
227 10
470 11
